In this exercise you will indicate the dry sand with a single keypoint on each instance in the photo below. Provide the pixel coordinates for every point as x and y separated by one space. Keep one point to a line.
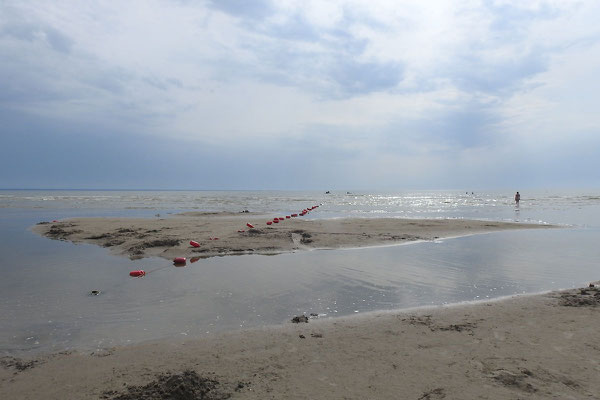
170 237
526 347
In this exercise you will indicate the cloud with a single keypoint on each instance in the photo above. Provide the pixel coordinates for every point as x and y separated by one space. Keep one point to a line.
248 9
353 88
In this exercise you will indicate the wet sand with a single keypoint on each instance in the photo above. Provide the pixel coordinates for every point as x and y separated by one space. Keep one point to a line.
527 347
221 234
530 347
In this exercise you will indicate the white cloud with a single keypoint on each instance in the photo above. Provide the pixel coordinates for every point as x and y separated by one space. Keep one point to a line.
468 77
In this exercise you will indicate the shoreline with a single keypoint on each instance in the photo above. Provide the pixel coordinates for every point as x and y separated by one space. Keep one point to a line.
527 346
222 234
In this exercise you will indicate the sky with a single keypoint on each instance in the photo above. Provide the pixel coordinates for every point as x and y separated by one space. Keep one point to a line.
299 94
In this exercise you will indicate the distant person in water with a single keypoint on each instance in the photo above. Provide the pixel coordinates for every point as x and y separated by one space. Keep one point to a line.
517 198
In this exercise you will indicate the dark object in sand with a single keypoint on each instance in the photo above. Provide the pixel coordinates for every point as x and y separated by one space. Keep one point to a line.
101 236
162 243
138 249
300 318
589 296
43 223
57 232
17 364
94 293
185 386
306 238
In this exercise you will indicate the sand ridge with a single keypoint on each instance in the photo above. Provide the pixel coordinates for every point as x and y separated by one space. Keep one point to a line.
227 233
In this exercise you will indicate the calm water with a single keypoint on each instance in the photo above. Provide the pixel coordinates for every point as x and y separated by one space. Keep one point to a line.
44 287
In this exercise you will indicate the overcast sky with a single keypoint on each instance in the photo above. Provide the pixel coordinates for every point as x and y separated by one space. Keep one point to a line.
241 94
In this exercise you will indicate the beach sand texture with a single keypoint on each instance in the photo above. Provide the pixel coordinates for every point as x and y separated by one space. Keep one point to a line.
526 347
170 237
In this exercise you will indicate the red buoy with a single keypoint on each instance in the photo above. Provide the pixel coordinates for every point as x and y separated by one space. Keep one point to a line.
249 225
294 215
241 231
276 221
194 243
137 273
194 259
179 260
288 217
269 222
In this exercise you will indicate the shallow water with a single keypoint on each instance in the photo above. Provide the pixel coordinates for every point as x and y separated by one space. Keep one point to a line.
46 305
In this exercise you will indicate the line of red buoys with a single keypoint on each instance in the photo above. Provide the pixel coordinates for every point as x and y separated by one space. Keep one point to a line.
181 261
302 213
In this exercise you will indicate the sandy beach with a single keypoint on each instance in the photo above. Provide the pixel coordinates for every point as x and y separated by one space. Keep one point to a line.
525 347
226 233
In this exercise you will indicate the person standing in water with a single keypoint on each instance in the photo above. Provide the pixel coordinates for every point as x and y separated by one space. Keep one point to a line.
517 198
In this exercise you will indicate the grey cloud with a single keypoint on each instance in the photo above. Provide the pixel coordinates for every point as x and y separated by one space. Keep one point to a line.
465 126
58 41
113 82
162 83
327 74
474 72
360 78
331 69
469 127
296 29
243 8
31 33
513 20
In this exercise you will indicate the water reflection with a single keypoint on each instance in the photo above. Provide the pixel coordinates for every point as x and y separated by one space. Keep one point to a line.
52 309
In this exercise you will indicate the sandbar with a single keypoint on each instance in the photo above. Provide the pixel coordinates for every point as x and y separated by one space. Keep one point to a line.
220 234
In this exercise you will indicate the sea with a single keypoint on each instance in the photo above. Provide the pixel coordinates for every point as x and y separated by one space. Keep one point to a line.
47 305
